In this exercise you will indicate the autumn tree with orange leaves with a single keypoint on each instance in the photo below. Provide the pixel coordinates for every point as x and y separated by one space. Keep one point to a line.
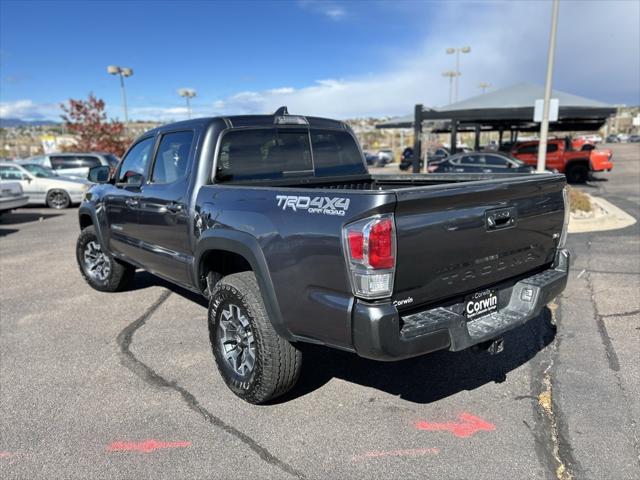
94 133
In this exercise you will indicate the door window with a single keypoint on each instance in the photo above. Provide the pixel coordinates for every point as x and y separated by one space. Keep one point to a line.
88 161
10 173
475 160
496 161
135 164
552 147
533 148
172 158
66 162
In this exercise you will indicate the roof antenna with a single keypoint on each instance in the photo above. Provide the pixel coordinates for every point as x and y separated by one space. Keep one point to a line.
282 111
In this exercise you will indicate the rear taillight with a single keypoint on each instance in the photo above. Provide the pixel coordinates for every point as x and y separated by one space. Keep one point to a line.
370 250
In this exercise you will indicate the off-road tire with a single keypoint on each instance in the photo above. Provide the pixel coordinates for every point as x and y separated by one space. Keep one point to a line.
577 173
277 362
120 274
58 199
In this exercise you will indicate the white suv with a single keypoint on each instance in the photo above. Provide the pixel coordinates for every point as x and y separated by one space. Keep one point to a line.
75 165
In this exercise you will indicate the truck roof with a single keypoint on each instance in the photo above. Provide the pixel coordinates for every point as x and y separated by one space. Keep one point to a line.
279 118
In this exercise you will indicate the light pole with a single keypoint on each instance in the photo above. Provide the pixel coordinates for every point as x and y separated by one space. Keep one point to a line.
451 74
123 72
484 86
457 51
187 93
544 126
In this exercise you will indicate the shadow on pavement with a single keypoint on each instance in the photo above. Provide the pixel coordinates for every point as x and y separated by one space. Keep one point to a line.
428 378
21 216
422 379
144 280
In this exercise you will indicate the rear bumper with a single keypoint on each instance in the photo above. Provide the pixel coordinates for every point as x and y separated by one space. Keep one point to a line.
380 333
9 203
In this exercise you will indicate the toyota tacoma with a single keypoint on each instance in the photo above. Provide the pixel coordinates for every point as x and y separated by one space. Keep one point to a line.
276 220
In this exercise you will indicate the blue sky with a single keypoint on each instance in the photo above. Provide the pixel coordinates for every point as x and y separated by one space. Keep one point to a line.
341 59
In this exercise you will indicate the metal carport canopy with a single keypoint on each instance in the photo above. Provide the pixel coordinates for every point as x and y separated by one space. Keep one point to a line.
512 108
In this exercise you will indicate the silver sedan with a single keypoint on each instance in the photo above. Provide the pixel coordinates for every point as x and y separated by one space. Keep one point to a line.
44 187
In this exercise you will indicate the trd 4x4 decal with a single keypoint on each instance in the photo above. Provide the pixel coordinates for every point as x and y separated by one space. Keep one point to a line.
323 205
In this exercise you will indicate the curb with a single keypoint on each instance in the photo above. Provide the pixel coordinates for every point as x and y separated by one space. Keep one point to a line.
606 217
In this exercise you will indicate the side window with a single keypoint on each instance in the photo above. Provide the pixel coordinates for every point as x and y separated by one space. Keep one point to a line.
495 161
472 160
10 173
134 165
172 158
62 163
552 147
533 148
88 161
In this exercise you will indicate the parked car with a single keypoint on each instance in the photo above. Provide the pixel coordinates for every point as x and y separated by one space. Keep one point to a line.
276 221
45 188
11 196
385 156
623 137
480 162
373 159
74 165
39 171
438 155
576 165
634 139
612 139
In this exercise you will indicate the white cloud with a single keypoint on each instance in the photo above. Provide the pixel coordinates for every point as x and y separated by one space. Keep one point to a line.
509 45
328 9
29 110
598 56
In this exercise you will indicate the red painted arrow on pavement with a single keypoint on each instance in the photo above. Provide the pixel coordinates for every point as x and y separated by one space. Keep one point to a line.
467 426
145 447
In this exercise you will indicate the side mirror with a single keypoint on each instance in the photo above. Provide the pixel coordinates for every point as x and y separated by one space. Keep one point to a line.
99 174
26 177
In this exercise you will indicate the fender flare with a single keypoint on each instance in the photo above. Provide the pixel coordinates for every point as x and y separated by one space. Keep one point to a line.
88 210
247 246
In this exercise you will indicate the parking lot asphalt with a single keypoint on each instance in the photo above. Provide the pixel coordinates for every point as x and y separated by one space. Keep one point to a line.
98 385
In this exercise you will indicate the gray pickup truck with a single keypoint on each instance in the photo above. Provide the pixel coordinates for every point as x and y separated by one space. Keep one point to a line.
275 219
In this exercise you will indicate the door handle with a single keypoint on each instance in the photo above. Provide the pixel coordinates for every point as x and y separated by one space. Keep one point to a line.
174 207
131 202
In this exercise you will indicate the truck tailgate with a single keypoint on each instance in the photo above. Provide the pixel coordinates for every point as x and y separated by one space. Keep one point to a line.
456 239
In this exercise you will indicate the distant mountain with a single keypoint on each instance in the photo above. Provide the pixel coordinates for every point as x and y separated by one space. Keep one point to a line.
16 122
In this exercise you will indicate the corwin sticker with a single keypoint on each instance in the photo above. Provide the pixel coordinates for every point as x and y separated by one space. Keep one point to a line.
323 205
480 304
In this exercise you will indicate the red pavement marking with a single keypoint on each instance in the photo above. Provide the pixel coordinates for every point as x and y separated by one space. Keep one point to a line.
412 452
145 447
5 454
467 426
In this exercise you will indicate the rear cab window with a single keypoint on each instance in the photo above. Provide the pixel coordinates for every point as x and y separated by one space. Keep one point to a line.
272 153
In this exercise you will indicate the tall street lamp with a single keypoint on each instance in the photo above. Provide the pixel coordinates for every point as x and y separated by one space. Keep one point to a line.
544 125
123 72
484 86
451 74
457 51
187 93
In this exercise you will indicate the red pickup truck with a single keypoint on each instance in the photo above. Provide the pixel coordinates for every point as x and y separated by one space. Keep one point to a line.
576 165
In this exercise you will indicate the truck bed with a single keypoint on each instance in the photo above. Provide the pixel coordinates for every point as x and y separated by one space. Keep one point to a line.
377 182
